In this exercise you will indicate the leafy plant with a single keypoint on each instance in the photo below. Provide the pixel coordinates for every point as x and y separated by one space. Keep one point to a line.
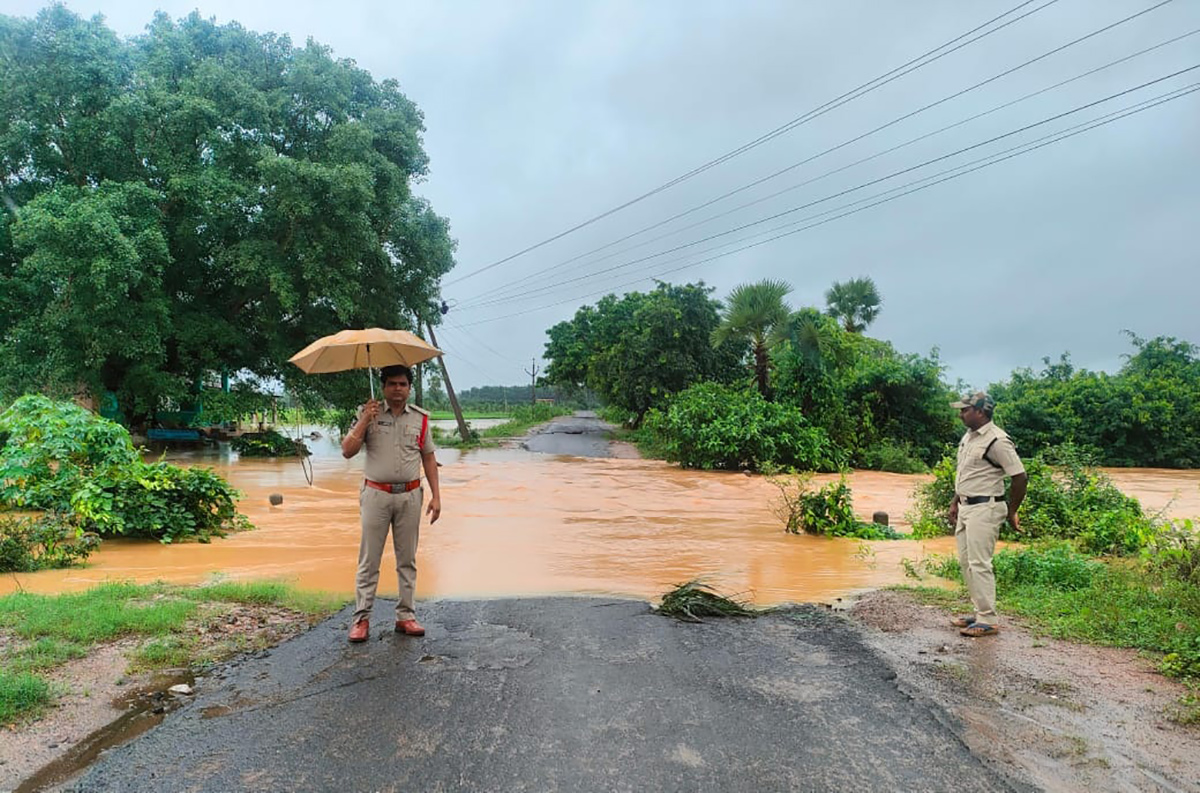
49 541
158 500
828 511
1066 499
268 444
51 446
61 458
895 457
712 426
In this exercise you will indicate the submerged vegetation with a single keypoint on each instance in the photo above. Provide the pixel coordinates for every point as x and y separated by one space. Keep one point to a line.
84 473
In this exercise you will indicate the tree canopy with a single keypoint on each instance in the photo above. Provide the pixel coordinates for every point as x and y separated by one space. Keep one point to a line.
637 349
199 198
855 303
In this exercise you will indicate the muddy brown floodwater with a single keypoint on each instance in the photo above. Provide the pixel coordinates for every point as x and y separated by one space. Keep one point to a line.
519 523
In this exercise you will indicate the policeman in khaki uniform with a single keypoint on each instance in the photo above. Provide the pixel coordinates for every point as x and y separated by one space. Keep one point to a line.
399 443
986 455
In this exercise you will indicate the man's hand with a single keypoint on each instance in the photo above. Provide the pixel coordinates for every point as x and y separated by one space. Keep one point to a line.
370 411
954 512
1014 521
434 510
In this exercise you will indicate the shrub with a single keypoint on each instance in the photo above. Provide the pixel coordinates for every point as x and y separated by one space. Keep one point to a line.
1066 499
931 502
1174 553
1054 566
50 446
61 458
893 457
714 426
828 511
268 444
29 544
158 500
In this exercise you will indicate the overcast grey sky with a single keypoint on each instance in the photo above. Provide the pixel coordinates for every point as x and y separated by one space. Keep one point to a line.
541 115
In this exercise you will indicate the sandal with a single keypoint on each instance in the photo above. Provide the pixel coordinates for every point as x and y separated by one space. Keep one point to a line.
963 622
978 629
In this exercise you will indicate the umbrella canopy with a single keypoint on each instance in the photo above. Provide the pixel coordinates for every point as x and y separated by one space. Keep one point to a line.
364 349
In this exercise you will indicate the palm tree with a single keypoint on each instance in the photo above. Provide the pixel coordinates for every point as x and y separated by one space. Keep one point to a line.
756 313
854 303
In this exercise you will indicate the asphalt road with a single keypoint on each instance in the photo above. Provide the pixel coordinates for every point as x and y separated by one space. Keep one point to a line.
570 694
580 435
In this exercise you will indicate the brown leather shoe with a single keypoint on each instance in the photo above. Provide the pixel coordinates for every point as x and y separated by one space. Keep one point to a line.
409 628
360 630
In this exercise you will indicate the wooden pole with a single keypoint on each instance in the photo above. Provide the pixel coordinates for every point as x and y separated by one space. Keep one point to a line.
458 416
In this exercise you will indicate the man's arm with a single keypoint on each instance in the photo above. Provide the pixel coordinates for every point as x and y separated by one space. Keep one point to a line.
354 438
429 461
1016 494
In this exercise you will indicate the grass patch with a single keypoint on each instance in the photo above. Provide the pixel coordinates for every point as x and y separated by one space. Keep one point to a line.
268 593
520 420
692 601
168 652
174 620
45 653
106 612
468 415
22 694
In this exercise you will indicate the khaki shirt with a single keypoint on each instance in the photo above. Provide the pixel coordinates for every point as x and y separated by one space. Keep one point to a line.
391 442
975 476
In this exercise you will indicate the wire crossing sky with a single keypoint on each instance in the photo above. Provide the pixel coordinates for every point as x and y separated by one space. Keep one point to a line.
694 117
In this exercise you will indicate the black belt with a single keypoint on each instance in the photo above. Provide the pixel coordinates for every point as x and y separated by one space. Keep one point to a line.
979 499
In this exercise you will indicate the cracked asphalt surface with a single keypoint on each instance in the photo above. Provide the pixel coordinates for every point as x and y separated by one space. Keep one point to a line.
574 694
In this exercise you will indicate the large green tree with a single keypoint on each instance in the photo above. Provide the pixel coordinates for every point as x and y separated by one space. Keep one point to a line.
755 314
636 350
200 198
1146 414
854 303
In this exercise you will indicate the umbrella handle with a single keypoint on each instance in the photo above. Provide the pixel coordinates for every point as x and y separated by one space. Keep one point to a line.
370 374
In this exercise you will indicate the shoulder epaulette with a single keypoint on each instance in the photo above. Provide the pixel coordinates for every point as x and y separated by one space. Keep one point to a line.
420 410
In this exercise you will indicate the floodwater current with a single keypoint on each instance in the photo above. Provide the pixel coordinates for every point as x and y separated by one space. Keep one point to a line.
517 523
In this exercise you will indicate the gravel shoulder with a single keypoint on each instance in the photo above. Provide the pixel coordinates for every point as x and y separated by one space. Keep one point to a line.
1064 716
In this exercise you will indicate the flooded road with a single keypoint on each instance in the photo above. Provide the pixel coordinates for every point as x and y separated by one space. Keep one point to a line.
518 523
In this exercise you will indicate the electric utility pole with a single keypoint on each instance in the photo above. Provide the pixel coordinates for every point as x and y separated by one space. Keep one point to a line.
532 372
458 416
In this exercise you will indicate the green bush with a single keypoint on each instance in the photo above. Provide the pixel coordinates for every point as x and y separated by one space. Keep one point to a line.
1066 499
894 457
930 516
1174 553
63 459
828 511
158 500
51 446
268 444
28 544
714 426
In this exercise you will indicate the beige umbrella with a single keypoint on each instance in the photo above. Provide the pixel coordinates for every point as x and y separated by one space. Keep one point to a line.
364 349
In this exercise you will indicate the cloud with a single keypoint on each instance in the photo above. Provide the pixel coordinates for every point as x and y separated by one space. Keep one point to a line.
543 114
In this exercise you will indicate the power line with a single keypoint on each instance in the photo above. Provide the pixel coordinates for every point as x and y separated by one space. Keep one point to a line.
893 122
816 112
840 193
480 342
993 159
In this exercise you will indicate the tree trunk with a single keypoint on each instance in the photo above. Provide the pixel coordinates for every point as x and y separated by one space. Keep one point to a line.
762 371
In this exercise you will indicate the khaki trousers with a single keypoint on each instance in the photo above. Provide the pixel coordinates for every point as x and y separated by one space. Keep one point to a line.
976 532
401 512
